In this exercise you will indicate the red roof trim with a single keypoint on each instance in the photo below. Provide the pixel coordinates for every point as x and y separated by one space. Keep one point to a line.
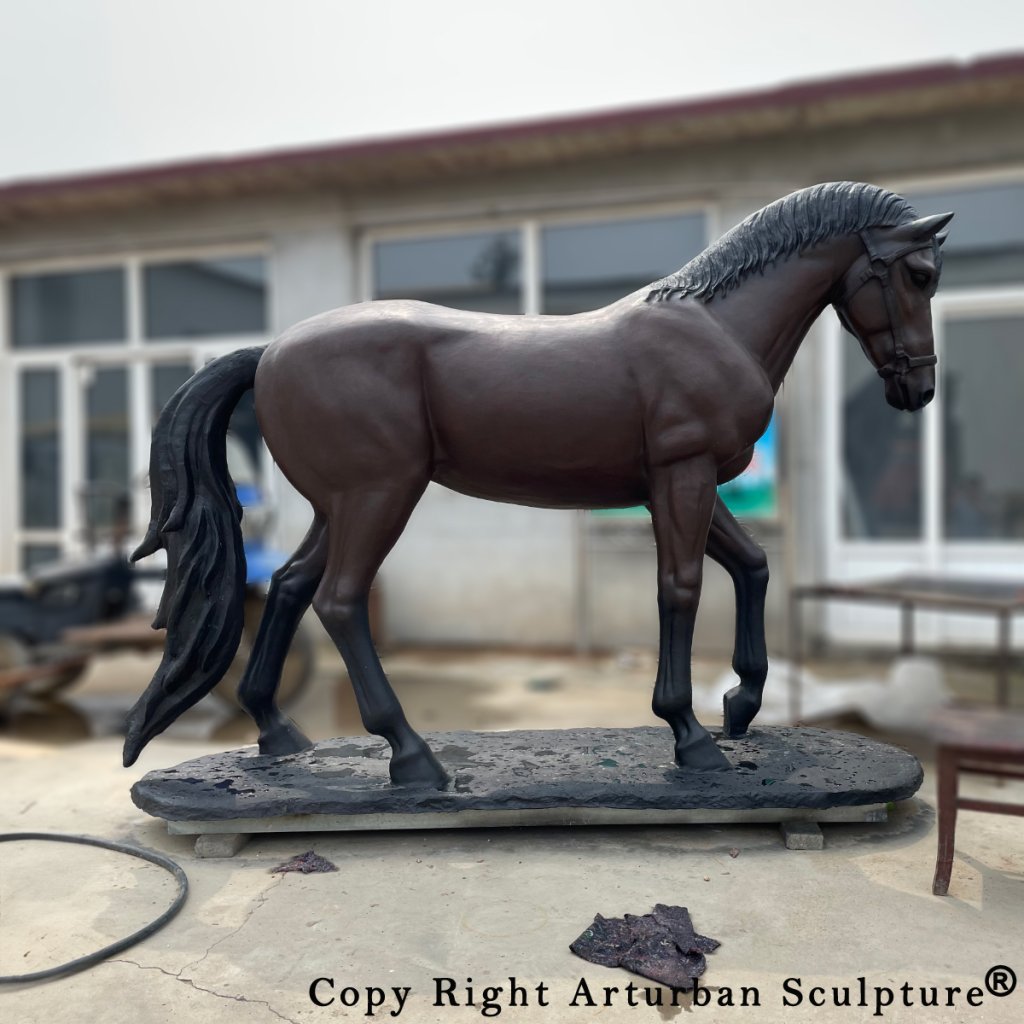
818 90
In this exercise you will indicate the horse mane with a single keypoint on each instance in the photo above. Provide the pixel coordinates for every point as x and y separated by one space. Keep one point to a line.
797 221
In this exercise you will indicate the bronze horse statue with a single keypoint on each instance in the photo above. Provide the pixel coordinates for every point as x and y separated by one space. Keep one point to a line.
655 399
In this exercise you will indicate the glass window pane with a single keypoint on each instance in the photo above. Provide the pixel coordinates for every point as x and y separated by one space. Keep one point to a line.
587 266
203 298
478 272
983 433
882 457
68 308
35 555
244 427
40 449
986 237
166 378
107 444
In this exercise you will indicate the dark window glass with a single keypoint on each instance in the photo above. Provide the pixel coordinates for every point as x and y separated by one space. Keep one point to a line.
244 426
587 266
477 272
882 453
40 449
166 379
68 309
107 444
203 298
982 367
986 237
35 555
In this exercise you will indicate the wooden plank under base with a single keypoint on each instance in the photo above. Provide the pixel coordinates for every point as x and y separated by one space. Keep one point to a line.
514 818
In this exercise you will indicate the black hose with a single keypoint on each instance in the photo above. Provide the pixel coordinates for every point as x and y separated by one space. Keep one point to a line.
115 947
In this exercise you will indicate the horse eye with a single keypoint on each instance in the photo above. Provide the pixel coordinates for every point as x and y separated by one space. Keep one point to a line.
921 279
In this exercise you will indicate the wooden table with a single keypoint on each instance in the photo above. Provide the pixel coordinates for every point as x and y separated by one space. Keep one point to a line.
132 631
980 742
1001 599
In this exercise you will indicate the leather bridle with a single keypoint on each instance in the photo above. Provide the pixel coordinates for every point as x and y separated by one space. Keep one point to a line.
872 265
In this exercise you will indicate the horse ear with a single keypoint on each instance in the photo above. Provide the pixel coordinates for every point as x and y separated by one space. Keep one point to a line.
929 227
941 237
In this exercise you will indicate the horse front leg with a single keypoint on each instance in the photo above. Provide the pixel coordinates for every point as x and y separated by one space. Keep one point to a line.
743 559
682 503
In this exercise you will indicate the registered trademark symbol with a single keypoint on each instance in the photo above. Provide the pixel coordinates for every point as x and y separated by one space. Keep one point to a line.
1000 981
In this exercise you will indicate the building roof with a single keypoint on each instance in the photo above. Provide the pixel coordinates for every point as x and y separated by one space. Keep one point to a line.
822 103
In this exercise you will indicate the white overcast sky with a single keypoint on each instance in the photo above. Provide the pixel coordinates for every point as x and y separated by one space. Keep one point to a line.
87 84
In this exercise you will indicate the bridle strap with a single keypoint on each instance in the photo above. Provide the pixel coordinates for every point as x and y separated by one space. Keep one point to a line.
873 265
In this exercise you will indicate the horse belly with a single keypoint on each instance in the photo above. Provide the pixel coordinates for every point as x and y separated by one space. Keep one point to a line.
543 488
548 441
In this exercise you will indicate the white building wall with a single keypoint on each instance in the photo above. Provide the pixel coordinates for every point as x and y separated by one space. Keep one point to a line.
468 571
313 269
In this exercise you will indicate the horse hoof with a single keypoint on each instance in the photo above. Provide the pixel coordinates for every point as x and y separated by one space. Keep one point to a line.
418 768
740 710
283 737
702 754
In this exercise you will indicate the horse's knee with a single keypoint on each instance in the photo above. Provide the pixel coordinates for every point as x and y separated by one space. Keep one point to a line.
338 607
290 585
758 572
679 590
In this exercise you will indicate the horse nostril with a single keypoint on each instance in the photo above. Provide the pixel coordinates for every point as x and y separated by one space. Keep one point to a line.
927 395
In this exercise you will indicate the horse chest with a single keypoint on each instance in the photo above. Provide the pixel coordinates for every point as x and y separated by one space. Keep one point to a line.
700 417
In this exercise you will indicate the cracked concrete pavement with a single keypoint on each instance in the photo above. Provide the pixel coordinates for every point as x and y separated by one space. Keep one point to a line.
405 908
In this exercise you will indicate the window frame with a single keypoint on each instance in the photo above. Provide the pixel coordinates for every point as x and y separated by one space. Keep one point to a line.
136 354
529 226
851 559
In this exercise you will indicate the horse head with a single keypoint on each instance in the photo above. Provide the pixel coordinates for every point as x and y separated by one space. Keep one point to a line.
884 300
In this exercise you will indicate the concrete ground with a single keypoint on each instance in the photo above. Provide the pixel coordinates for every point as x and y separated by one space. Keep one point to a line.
406 908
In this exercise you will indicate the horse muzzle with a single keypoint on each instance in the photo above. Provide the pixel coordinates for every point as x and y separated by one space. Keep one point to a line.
911 391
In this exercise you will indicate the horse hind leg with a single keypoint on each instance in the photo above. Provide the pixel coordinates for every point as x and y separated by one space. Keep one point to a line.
362 530
291 591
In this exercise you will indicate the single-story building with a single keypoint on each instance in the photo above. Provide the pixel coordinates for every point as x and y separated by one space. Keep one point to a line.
115 286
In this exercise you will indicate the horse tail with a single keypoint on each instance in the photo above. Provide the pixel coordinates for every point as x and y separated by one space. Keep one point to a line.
196 517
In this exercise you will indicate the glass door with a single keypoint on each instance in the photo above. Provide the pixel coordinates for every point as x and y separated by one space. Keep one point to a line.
117 403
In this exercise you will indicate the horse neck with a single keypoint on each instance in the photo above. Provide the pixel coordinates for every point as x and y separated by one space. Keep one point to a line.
770 314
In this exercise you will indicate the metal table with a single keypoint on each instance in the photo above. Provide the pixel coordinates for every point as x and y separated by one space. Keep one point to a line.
999 598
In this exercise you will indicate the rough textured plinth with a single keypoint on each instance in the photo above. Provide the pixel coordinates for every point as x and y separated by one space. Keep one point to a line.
511 771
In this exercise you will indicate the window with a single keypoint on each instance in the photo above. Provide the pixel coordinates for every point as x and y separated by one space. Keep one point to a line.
982 367
40 450
986 237
107 438
881 456
586 266
68 308
475 271
78 343
944 484
35 555
165 379
205 298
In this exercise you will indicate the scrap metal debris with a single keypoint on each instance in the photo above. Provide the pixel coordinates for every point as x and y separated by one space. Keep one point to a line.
662 945
308 863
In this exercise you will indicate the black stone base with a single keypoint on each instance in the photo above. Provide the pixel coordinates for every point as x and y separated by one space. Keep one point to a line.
523 770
